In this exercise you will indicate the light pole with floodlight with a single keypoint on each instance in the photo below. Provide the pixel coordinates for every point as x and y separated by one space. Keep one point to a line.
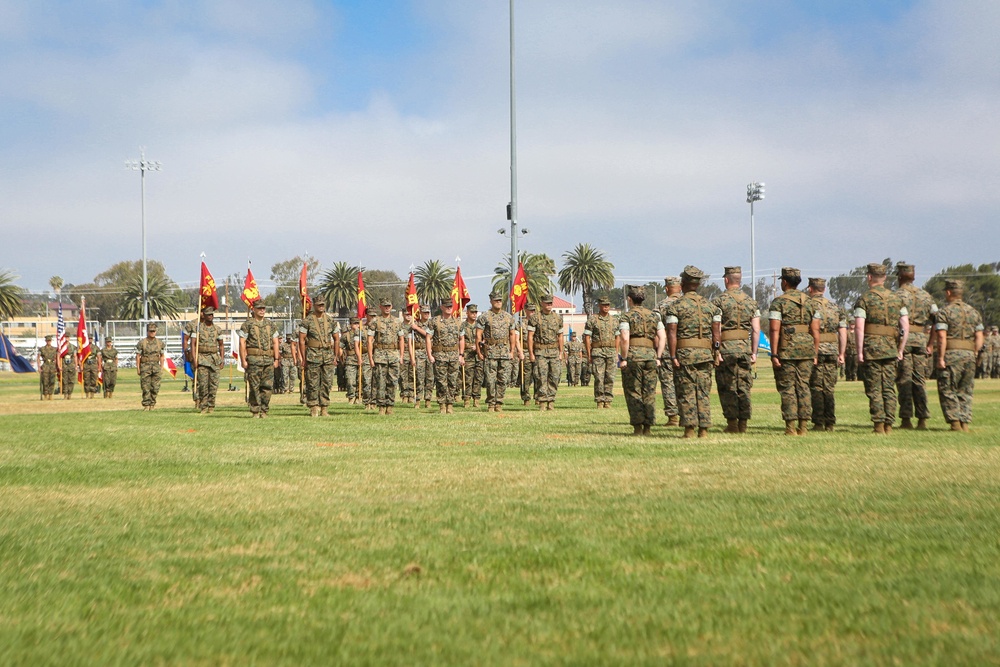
755 192
142 166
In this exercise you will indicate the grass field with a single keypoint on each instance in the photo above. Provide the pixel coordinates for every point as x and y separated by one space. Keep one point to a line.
521 538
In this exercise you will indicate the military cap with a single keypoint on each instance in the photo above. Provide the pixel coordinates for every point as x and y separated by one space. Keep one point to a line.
876 269
547 298
530 306
817 283
954 285
384 301
603 301
447 303
472 308
208 310
634 291
496 296
49 337
734 271
903 267
693 274
672 281
258 303
424 308
790 272
319 301
151 326
995 329
353 320
572 334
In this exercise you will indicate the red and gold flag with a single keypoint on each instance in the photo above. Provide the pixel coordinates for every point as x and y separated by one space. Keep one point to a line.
209 296
250 291
459 294
82 339
362 300
412 303
519 290
304 289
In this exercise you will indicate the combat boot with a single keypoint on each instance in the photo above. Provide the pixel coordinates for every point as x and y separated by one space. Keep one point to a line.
879 428
550 406
636 429
956 426
921 424
314 411
448 409
965 427
790 428
427 402
646 430
829 427
906 424
702 432
442 409
674 421
732 426
541 407
323 412
819 426
381 410
475 402
803 426
689 431
527 402
742 425
465 403
388 409
498 408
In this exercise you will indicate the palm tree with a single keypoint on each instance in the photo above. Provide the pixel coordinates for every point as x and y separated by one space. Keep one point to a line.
434 281
586 268
162 296
339 287
10 296
538 267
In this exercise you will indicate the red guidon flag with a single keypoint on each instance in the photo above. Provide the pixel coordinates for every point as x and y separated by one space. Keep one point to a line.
169 365
209 297
362 299
82 339
250 291
304 289
519 290
459 294
412 303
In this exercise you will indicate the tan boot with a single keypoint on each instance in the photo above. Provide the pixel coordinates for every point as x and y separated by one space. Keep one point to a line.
742 425
674 421
450 409
475 402
689 431
829 427
790 428
803 426
887 428
541 407
427 402
388 409
702 432
498 408
636 429
381 410
732 426
921 424
879 428
465 403
956 426
442 408
550 406
906 424
646 430
527 402
819 426
965 427
489 407
323 412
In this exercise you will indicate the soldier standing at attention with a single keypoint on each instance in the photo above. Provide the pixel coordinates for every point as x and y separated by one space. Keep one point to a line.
472 376
915 366
694 327
496 341
48 368
600 340
319 336
523 373
91 374
545 346
260 355
109 367
794 335
446 351
739 339
959 331
425 371
70 367
995 351
882 328
385 354
290 376
206 347
149 366
574 358
672 289
851 356
832 348
642 340
409 359
350 343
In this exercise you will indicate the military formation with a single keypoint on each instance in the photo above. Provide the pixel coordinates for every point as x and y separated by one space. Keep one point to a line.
894 341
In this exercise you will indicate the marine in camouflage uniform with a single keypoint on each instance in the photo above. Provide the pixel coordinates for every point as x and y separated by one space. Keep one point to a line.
350 343
672 290
915 366
523 373
289 365
851 355
260 355
882 328
319 336
91 374
496 341
545 346
48 368
109 367
794 335
693 330
385 354
70 367
959 331
739 339
995 352
205 348
586 370
367 369
446 350
832 348
149 365
406 370
425 370
600 340
472 375
642 338
574 359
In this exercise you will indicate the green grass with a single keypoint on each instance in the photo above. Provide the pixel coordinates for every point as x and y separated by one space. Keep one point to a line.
522 538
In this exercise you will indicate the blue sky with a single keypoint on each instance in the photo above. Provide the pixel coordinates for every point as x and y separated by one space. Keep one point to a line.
377 132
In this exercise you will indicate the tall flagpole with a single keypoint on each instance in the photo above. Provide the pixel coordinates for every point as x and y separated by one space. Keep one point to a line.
512 206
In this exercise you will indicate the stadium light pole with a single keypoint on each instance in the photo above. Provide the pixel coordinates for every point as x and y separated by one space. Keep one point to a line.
755 192
142 166
512 206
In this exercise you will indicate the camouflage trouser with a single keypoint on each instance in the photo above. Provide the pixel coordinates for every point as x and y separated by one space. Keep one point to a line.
90 384
260 383
472 387
526 378
585 372
604 379
149 381
912 384
496 371
367 383
880 386
851 366
110 380
822 382
425 377
792 381
693 384
514 374
351 377
406 378
48 379
386 376
446 377
639 384
319 378
573 372
341 374
208 380
955 385
548 373
668 387
69 381
291 375
734 379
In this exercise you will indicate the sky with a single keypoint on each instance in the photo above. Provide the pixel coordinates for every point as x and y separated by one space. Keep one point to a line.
378 133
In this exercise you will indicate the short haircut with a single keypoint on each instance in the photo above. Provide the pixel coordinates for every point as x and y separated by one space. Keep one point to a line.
793 282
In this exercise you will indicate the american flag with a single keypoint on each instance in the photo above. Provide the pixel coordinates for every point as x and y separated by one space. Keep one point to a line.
61 342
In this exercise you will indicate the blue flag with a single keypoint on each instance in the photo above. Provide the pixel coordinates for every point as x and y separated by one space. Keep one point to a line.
188 369
765 343
18 364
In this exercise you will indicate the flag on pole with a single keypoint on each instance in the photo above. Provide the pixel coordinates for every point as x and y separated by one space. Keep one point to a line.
765 343
519 290
250 291
304 289
209 296
362 299
18 364
459 294
412 302
62 344
188 368
169 365
83 350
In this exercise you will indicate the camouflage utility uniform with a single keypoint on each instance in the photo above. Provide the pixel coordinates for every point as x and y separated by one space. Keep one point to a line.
150 369
915 367
823 380
574 358
384 338
260 337
881 310
425 371
48 369
205 341
524 370
693 316
956 381
91 370
602 332
348 343
289 372
320 357
472 386
545 331
639 373
496 329
734 374
109 360
795 311
444 334
666 370
69 370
